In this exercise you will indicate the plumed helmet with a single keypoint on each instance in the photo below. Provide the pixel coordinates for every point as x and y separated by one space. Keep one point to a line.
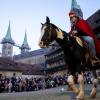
75 13
71 13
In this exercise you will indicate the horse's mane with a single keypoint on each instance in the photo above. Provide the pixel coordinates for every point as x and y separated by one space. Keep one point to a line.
58 28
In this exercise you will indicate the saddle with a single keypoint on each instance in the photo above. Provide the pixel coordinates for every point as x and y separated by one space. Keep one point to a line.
94 60
81 42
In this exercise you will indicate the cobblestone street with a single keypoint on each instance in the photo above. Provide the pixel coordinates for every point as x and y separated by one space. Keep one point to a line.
48 94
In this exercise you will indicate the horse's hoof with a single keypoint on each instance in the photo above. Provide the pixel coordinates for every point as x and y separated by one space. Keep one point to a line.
74 89
93 93
93 96
80 96
77 92
69 88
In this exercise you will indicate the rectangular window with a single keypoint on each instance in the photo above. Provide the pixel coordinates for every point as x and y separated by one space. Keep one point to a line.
97 21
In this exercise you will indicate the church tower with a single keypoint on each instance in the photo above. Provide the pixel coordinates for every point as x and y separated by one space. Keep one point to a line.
25 47
7 44
76 8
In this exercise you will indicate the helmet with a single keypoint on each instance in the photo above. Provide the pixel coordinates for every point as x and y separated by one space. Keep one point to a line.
75 13
72 13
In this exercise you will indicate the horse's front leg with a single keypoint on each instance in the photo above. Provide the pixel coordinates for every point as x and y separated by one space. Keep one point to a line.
81 86
72 84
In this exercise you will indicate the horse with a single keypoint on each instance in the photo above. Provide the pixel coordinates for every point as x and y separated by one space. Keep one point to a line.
74 55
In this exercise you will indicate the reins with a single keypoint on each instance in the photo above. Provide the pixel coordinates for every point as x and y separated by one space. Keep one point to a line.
54 45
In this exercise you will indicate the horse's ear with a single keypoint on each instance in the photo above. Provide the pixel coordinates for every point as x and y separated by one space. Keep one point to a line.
47 19
42 24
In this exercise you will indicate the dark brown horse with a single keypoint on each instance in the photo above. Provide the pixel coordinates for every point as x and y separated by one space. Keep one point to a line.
75 55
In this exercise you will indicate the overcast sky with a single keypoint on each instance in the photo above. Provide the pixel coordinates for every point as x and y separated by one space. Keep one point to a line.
28 14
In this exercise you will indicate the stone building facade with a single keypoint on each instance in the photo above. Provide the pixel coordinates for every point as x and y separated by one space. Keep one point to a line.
94 21
8 67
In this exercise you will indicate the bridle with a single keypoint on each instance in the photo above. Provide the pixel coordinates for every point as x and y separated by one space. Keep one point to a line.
47 40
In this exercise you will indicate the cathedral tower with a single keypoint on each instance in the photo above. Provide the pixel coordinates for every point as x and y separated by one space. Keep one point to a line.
7 44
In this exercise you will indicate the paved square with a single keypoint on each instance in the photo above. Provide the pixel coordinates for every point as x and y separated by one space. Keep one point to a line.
48 94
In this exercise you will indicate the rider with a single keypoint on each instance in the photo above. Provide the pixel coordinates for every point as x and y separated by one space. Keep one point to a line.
80 27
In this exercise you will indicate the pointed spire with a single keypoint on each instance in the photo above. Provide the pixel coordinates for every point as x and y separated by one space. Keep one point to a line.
8 38
76 8
25 43
25 39
8 35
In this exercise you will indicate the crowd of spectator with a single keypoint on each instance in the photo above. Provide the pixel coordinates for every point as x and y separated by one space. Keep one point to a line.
88 77
16 84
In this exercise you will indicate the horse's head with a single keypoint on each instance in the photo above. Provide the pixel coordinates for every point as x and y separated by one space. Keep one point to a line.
49 33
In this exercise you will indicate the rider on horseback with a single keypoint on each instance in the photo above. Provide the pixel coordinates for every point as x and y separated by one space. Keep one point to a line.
81 28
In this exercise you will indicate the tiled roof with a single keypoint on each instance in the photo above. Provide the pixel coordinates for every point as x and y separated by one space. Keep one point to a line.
8 65
26 69
29 69
30 54
94 20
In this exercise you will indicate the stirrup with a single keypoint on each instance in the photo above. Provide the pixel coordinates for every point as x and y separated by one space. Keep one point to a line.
95 62
97 58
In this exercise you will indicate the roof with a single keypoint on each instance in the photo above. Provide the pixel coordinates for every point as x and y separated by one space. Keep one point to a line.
26 69
53 51
9 65
94 19
30 54
29 69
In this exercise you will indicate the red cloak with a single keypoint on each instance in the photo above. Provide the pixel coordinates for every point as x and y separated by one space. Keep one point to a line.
84 26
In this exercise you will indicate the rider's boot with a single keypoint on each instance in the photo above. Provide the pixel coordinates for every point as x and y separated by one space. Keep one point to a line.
94 60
